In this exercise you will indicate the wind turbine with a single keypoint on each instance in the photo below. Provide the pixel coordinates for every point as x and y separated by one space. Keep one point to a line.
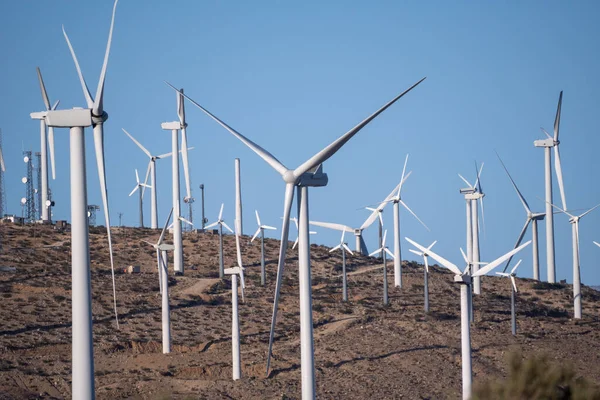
383 250
76 119
472 194
464 278
361 246
513 291
344 248
163 276
547 144
397 200
261 230
45 204
532 218
152 171
425 256
137 188
221 224
309 173
574 221
235 321
298 237
175 127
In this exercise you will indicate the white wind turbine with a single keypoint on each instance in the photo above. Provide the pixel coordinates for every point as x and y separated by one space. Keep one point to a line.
261 231
235 320
547 144
425 256
76 119
152 171
309 173
221 224
513 292
137 188
298 237
472 194
44 142
532 218
175 127
361 247
464 278
574 221
344 248
163 276
184 149
397 200
383 250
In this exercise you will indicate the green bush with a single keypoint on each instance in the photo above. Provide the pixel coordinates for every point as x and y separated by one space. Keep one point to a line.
537 378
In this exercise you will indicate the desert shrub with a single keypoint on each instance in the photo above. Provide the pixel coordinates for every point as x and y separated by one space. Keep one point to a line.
548 286
537 378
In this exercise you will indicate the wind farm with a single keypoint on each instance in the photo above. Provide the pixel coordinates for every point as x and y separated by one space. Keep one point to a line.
134 309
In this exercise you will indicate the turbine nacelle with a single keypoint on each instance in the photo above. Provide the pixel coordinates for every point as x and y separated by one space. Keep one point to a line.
463 279
73 118
169 126
549 142
38 115
467 191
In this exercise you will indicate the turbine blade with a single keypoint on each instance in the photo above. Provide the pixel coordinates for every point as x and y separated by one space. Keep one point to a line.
596 243
416 252
237 243
384 236
295 243
500 260
518 242
137 177
373 216
432 244
390 253
43 89
98 108
86 91
436 257
145 184
99 147
331 225
138 143
414 215
515 267
257 217
242 282
559 176
589 211
184 146
330 150
186 221
345 246
402 178
211 225
285 228
51 147
464 255
255 235
378 251
134 190
269 227
162 233
335 248
512 279
227 227
165 155
465 181
547 134
523 201
262 153
557 118
221 211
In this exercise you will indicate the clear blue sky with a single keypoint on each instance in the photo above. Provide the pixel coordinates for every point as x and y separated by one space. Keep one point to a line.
295 76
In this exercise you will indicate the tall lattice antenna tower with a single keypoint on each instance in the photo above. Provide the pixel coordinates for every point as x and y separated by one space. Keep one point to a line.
29 205
38 168
2 189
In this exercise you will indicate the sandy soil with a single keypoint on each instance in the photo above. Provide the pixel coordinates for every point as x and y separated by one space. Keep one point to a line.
362 349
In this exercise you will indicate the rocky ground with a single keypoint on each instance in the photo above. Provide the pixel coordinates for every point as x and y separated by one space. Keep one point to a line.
362 349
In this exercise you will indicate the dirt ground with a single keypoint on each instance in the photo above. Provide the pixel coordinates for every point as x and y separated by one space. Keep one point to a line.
362 348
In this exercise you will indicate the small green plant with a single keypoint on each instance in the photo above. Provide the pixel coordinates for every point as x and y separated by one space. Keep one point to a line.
537 378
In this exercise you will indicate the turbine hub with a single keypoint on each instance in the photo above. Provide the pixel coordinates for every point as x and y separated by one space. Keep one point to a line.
289 177
99 119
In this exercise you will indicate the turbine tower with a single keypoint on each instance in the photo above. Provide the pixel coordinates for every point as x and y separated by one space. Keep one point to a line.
308 174
547 144
76 120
